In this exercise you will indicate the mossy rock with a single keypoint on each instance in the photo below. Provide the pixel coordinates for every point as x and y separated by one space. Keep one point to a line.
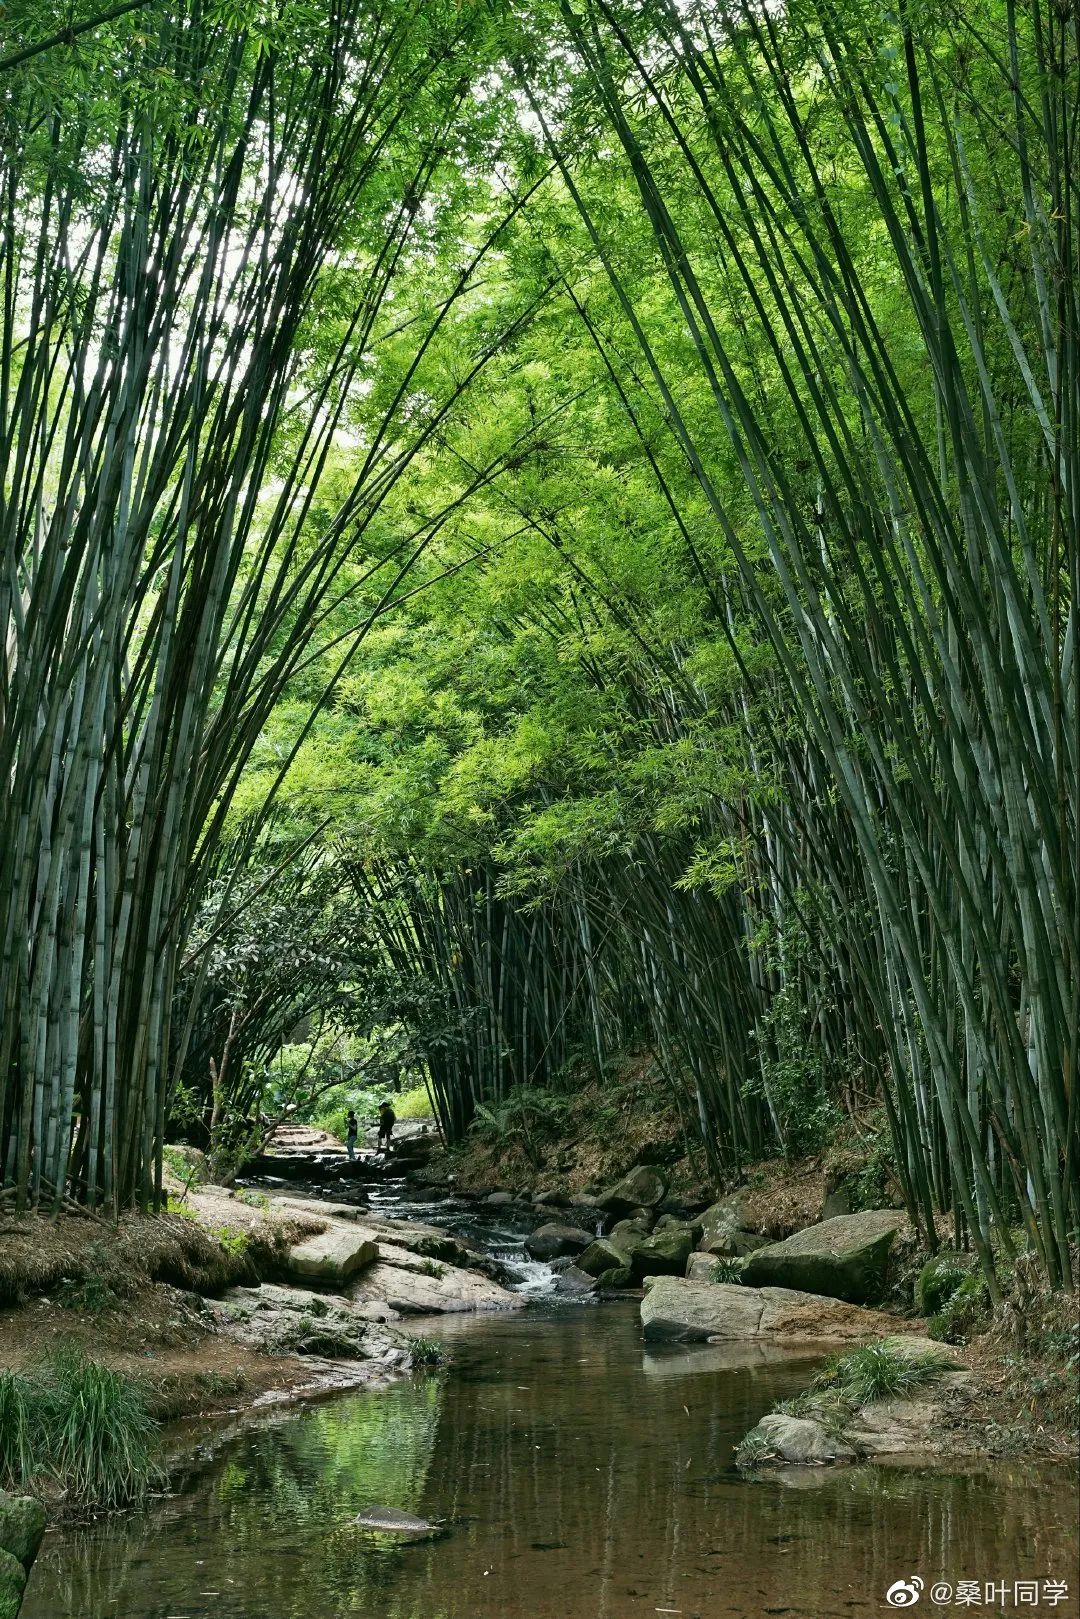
12 1585
617 1276
664 1253
940 1278
22 1524
601 1257
845 1258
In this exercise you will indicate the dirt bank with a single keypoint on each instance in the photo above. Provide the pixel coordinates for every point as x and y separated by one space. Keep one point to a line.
133 1296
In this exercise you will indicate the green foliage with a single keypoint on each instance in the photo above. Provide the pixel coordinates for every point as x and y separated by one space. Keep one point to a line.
432 1267
879 1371
728 1270
752 1451
79 1426
233 1240
184 1165
963 1312
91 1295
252 1199
413 1104
942 1275
425 1353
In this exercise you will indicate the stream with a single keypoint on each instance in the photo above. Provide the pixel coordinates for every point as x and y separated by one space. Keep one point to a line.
578 1473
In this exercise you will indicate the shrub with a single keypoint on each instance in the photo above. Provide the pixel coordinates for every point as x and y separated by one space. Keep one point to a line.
939 1279
963 1312
79 1425
431 1267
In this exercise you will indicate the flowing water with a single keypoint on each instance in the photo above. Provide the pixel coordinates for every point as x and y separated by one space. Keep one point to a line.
577 1474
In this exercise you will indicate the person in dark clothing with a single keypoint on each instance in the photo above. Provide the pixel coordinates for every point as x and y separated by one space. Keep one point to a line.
351 1129
387 1120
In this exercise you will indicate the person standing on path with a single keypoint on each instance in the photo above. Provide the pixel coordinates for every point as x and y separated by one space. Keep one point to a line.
351 1129
387 1120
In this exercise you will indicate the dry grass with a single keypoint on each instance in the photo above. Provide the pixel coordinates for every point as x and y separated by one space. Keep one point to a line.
783 1197
129 1296
216 1243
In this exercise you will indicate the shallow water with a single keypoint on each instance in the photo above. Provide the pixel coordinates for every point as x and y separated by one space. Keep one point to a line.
581 1476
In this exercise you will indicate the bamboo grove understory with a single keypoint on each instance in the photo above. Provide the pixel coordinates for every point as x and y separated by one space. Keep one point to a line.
194 527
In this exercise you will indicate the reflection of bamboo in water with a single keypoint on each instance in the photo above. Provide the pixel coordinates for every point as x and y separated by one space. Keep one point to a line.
559 1460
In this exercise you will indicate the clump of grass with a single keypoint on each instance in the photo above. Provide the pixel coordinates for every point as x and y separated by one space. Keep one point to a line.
426 1352
752 1451
807 1403
431 1267
80 1427
728 1270
212 1382
880 1371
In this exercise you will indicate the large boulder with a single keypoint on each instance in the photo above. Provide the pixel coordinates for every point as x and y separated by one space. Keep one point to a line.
573 1282
294 1321
22 1524
412 1286
845 1258
12 1585
677 1311
694 1223
628 1233
642 1188
800 1440
663 1253
333 1256
553 1240
680 1311
723 1234
602 1256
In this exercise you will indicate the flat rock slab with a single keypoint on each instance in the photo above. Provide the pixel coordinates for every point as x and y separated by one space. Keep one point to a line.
335 1255
680 1311
429 1240
413 1291
843 1258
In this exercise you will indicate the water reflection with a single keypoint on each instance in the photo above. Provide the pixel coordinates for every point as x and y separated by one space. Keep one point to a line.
582 1479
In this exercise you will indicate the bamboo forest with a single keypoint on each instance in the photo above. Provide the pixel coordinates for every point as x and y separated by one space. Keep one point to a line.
540 841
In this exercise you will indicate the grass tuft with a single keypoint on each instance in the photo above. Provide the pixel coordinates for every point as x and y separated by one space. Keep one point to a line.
880 1371
79 1426
426 1352
728 1270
